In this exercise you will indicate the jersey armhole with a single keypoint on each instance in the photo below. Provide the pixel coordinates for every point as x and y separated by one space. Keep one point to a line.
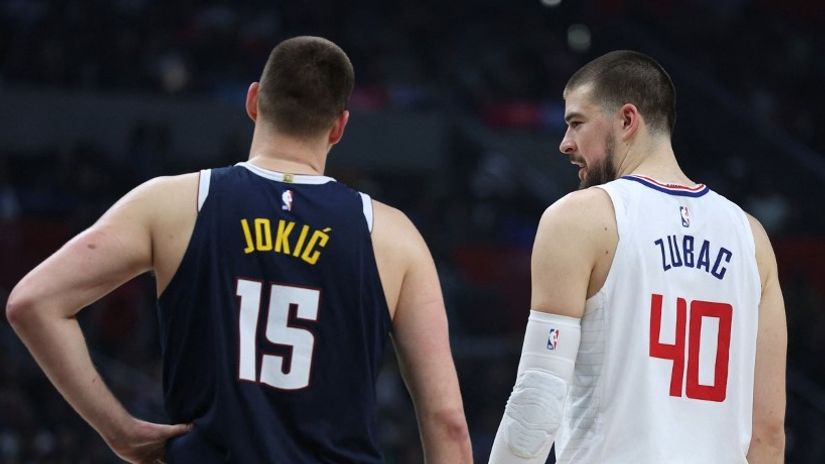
750 241
619 210
366 202
616 198
203 186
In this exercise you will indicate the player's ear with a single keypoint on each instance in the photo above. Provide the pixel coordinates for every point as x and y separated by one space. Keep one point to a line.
252 101
629 120
337 130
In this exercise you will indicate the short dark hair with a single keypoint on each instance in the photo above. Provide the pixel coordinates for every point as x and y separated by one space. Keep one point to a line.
625 76
305 85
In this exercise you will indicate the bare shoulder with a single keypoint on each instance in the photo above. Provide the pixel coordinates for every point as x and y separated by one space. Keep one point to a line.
168 208
181 181
760 236
170 189
765 258
390 216
588 211
400 252
392 225
143 204
574 248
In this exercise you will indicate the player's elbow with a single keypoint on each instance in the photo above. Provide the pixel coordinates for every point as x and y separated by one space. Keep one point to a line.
455 426
451 426
767 439
18 308
769 436
21 308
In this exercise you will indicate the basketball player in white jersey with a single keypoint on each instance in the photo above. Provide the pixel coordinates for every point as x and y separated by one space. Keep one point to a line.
657 332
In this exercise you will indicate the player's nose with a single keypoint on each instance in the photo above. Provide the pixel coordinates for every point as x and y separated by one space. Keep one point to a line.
567 146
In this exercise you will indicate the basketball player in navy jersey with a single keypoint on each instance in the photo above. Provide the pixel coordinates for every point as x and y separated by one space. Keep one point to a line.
277 289
658 328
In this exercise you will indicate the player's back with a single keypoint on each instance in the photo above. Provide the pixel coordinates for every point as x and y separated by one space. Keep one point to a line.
274 326
665 367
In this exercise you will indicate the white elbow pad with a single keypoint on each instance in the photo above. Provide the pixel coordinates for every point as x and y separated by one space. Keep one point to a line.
534 411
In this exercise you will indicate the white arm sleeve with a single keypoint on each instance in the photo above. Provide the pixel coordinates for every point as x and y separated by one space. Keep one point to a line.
534 411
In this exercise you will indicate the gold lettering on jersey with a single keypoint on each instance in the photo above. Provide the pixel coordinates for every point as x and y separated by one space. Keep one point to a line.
263 234
282 238
310 254
307 246
247 235
301 238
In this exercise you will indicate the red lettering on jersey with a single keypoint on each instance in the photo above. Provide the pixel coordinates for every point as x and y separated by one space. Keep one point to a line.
675 352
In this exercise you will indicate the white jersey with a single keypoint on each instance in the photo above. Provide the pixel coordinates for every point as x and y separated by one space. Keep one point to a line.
665 369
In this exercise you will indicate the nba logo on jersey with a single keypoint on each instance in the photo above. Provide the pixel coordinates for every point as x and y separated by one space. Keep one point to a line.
685 214
553 339
286 198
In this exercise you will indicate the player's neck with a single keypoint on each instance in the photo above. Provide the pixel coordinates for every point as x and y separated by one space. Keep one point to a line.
277 152
654 159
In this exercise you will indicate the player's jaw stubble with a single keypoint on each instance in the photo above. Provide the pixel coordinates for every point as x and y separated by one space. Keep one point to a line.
601 171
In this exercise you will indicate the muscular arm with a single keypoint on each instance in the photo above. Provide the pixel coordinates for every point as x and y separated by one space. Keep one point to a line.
575 242
43 306
574 245
421 336
768 437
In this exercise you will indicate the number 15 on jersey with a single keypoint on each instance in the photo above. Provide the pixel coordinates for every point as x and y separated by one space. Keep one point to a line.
274 371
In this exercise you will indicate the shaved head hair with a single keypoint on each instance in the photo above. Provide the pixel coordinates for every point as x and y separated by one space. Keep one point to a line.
305 85
625 76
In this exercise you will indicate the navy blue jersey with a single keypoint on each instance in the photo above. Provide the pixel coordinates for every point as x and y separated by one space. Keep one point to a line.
273 329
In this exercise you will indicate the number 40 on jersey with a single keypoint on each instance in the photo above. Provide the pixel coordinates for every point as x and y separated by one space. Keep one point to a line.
690 348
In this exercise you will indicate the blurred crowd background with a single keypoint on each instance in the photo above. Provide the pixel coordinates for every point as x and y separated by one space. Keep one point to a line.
456 119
